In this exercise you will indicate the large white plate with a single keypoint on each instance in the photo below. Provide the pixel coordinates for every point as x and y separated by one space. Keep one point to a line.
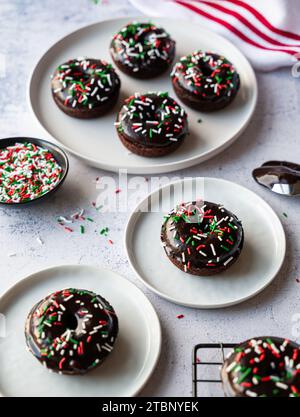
96 141
124 372
259 262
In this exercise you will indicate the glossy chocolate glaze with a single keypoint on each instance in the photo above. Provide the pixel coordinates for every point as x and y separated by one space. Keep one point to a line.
263 367
142 49
71 331
202 238
85 85
153 120
205 81
279 176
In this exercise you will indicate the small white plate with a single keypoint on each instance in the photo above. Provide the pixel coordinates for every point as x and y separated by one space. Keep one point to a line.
96 141
124 372
260 260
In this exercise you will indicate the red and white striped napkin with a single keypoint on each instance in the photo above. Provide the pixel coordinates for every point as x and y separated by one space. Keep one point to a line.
265 30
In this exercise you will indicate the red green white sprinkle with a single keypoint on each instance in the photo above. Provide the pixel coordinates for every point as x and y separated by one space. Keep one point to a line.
39 240
104 231
27 172
155 118
84 83
141 45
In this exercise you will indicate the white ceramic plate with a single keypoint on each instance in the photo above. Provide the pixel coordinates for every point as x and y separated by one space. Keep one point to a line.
258 264
124 372
96 141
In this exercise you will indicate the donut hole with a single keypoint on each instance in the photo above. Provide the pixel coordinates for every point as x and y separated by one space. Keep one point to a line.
70 321
207 70
79 75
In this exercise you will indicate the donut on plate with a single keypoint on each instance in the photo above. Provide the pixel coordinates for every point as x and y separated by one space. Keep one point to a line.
151 124
85 88
205 81
263 367
71 331
142 50
202 238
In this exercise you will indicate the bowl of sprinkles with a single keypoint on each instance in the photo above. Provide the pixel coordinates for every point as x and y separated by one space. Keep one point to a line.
30 170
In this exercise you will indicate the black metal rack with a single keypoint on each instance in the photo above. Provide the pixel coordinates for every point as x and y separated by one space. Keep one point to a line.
220 349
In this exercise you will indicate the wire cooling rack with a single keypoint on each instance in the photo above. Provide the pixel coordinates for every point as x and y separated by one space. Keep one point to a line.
206 362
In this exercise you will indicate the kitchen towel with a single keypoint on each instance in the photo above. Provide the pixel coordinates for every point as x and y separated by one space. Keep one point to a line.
265 30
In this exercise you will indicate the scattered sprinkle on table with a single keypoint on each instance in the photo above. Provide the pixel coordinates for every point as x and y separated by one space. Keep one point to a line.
39 240
180 316
76 219
63 220
118 190
78 215
104 231
27 172
199 120
284 214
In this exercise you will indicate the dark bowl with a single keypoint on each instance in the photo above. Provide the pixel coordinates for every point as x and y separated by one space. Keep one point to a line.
58 154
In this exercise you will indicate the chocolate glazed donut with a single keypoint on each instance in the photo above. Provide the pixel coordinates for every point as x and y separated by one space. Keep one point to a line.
151 124
142 50
71 331
202 238
205 81
85 88
263 367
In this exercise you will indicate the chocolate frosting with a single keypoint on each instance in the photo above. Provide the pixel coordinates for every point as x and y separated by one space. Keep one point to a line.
85 83
152 119
71 331
206 76
142 47
202 235
263 367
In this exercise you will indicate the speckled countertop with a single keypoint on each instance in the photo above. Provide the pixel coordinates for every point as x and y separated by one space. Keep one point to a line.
28 28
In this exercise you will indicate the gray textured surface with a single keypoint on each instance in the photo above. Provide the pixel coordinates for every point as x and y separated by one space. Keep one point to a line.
28 28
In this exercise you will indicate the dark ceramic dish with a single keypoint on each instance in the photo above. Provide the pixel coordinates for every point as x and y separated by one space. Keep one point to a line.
58 154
